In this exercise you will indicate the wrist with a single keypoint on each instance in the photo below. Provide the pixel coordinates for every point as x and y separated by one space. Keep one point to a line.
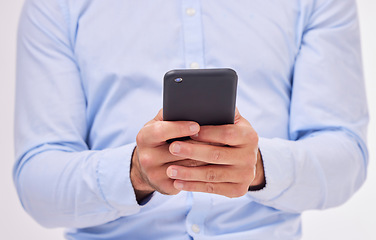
259 182
141 188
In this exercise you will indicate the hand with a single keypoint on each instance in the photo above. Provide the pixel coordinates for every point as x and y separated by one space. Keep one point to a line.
152 157
233 158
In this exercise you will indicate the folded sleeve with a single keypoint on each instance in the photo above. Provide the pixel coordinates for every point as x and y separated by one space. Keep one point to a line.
324 160
60 181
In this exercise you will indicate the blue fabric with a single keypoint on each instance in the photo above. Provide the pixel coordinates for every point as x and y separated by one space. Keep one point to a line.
90 75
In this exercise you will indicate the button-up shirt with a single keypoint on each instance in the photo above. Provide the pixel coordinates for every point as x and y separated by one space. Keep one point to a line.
90 75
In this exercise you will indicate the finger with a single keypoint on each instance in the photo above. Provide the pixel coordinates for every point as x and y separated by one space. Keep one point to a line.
156 156
209 173
159 182
205 153
231 190
231 134
158 132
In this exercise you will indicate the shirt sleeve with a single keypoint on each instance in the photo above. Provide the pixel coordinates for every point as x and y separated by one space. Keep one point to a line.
324 162
60 181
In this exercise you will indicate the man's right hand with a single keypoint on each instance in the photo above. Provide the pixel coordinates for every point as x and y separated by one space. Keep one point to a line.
151 157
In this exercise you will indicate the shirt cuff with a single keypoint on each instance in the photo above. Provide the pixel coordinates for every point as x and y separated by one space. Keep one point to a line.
278 169
113 178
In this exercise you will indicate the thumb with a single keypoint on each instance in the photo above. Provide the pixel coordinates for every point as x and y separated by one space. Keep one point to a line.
159 116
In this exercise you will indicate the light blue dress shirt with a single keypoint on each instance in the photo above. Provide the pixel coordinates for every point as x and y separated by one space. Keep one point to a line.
90 75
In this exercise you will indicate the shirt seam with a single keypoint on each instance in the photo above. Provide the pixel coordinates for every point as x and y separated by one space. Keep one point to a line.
99 184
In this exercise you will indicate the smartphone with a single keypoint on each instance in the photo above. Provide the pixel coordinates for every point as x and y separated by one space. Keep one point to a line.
205 96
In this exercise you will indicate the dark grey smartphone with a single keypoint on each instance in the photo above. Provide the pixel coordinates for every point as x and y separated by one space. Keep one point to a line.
206 96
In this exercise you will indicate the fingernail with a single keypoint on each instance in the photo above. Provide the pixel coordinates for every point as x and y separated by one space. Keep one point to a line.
195 136
175 148
172 172
194 128
179 185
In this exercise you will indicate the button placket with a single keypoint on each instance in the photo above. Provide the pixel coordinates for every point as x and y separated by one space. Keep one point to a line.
193 34
195 221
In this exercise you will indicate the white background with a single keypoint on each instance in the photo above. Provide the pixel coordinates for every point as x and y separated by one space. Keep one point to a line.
354 220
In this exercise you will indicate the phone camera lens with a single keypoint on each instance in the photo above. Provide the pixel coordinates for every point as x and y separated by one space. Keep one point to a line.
178 80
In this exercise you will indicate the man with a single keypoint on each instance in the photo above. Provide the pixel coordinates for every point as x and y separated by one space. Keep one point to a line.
89 78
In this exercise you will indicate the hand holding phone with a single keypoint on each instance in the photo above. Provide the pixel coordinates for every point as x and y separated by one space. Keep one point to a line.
228 165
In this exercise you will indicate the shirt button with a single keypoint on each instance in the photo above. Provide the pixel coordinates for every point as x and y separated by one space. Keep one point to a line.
195 228
195 65
190 11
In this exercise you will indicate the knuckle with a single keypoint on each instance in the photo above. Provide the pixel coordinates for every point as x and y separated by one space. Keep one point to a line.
157 130
140 137
209 188
211 175
216 155
145 159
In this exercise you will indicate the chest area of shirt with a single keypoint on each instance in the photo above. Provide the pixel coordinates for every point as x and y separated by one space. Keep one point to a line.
155 36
